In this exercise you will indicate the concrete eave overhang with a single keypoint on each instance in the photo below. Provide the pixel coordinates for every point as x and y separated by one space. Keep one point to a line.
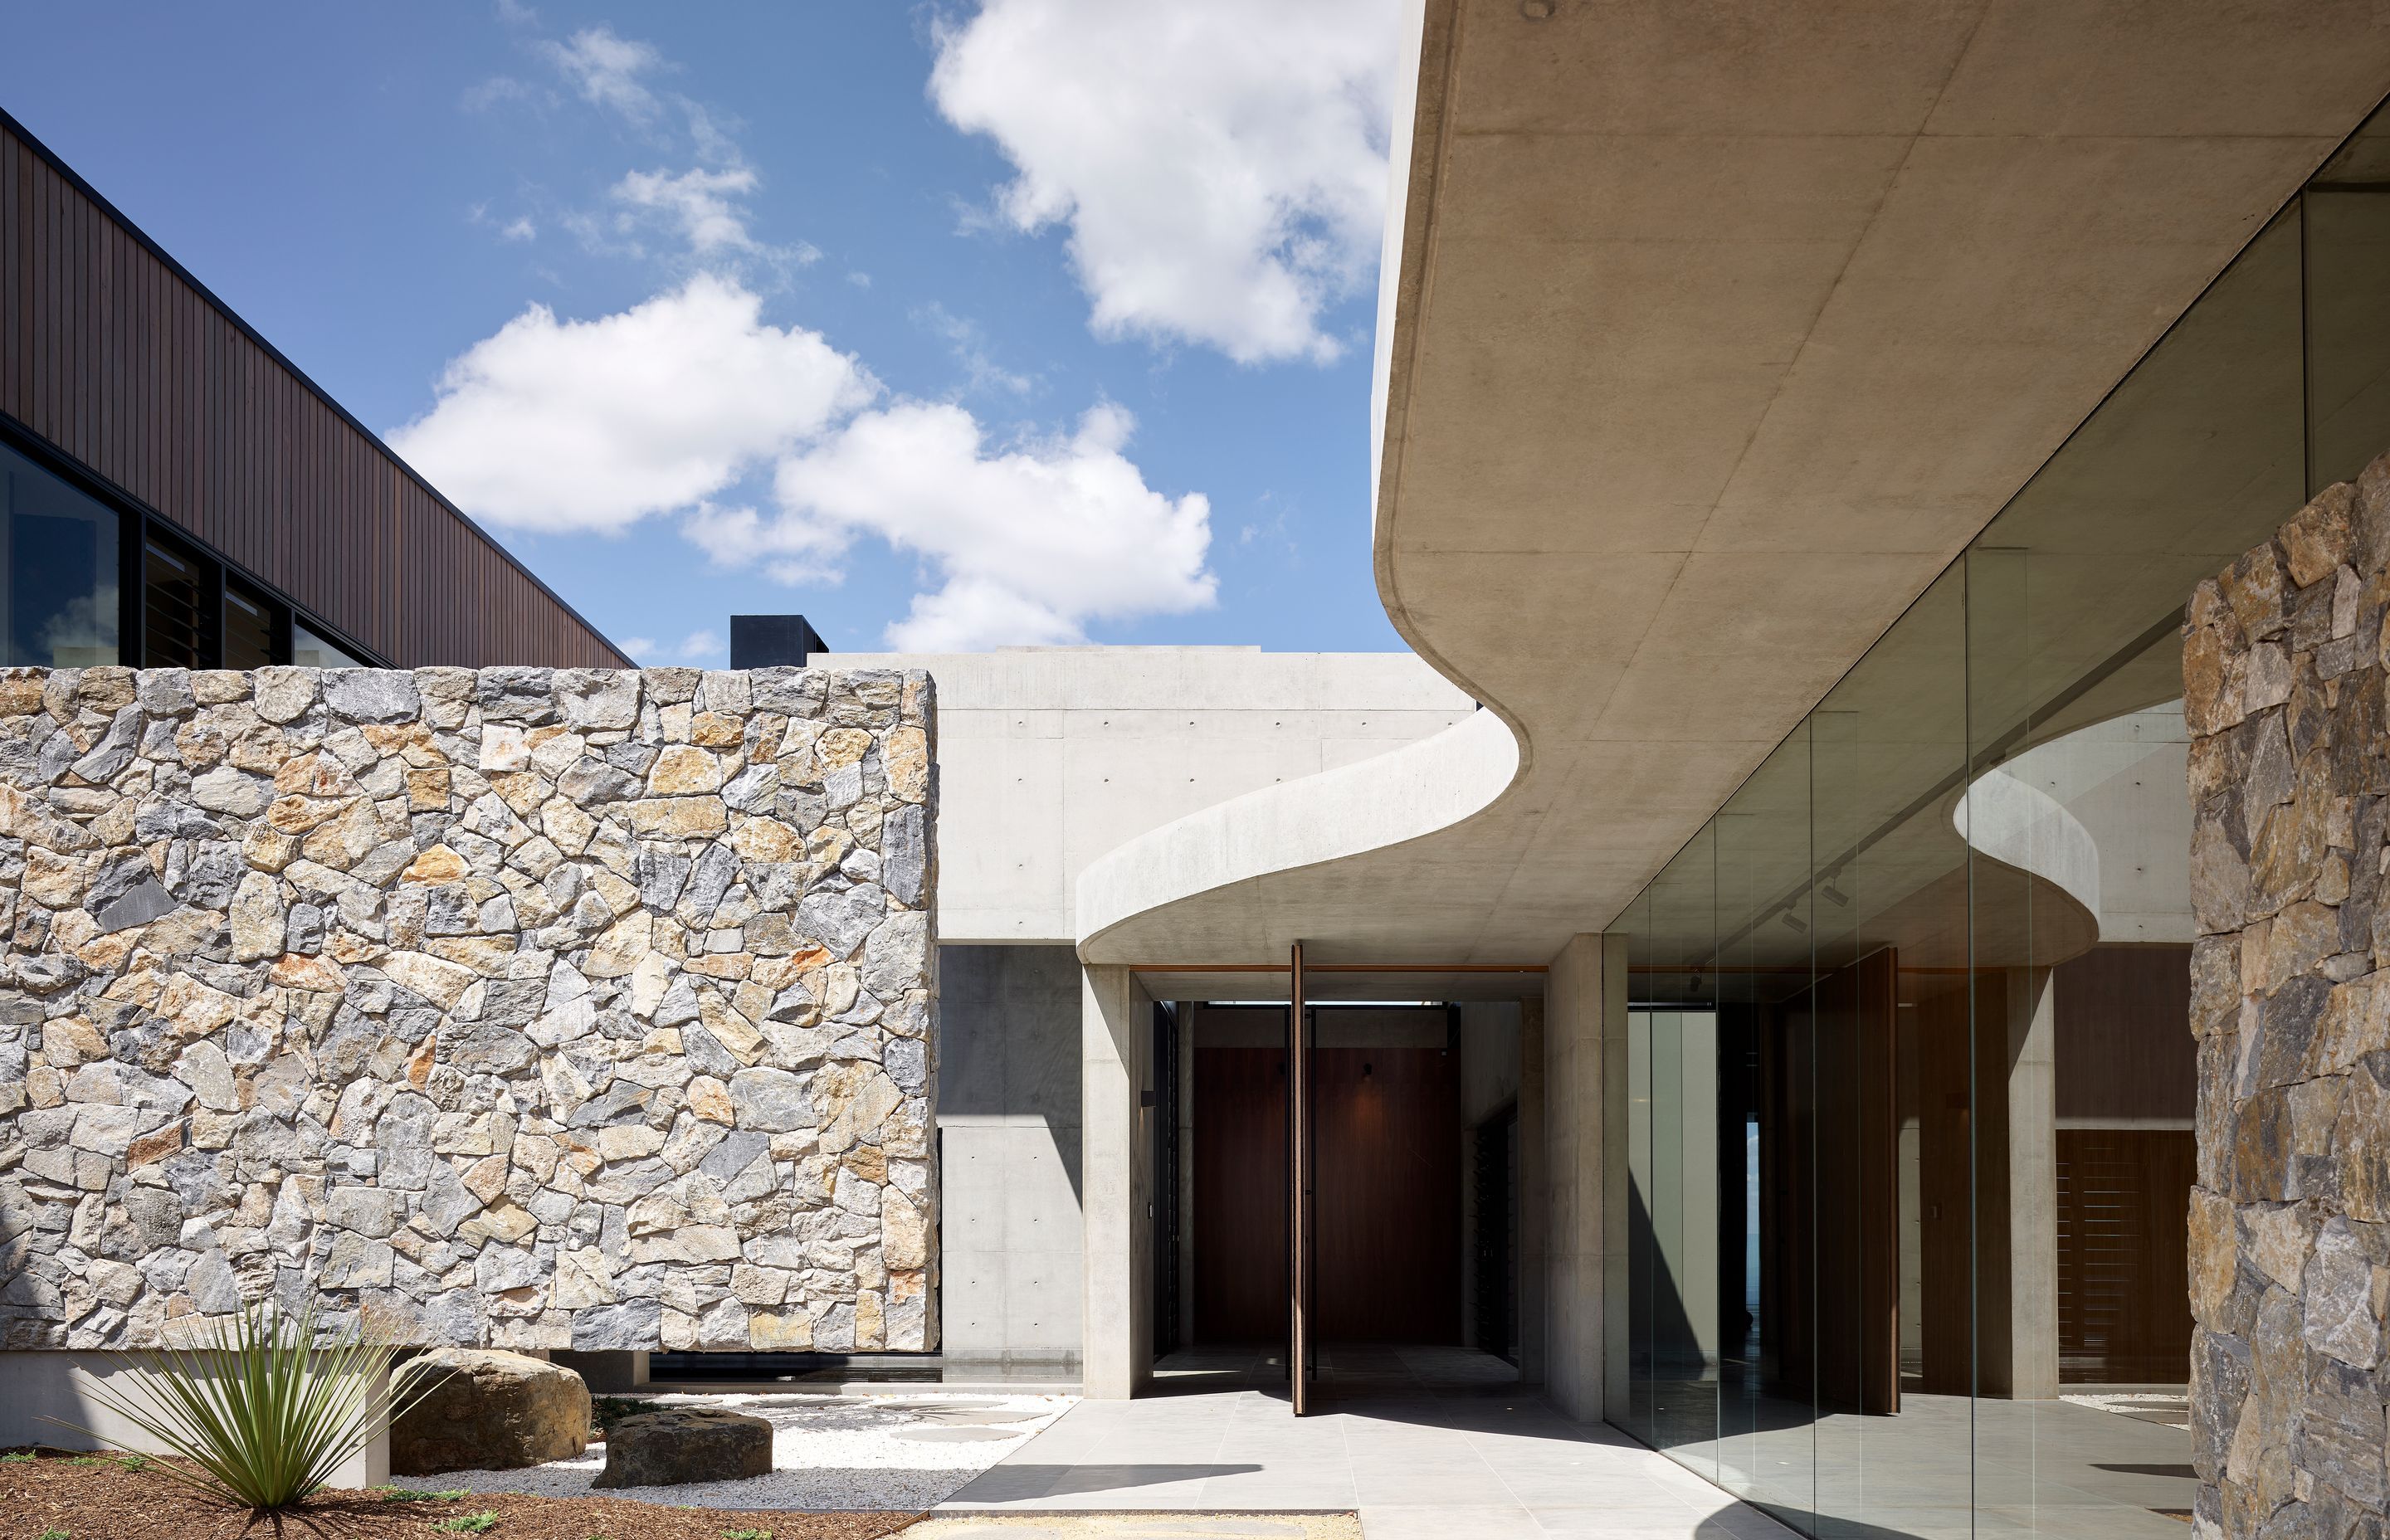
1709 334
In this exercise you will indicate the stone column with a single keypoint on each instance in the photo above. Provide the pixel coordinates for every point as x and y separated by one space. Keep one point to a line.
1535 1217
1116 1038
2290 1004
1585 989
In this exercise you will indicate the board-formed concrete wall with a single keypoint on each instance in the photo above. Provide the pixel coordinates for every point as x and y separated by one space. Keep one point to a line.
576 1008
2289 1222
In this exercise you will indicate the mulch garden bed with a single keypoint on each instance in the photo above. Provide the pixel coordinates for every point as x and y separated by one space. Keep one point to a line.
58 1496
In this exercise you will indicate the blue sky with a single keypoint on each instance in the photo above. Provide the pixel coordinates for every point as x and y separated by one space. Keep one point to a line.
1029 321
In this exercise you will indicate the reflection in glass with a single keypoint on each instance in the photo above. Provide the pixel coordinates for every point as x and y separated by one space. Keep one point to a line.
309 650
2348 215
59 587
1907 1121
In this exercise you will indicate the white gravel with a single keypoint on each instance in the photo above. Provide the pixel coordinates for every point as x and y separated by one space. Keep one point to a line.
829 1451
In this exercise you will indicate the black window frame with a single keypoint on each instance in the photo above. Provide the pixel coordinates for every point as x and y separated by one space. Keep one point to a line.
141 526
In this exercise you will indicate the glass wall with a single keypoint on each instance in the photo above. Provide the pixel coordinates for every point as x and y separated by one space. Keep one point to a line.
1908 1083
58 588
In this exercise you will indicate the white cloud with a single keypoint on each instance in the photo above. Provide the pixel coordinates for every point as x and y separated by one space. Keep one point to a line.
1029 543
496 89
969 347
519 228
605 68
563 425
1221 167
696 201
700 207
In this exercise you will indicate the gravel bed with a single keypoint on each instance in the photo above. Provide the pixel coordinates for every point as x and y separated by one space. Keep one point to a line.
829 1453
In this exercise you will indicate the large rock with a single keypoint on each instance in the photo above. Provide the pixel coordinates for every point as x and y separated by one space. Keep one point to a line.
686 1443
494 1411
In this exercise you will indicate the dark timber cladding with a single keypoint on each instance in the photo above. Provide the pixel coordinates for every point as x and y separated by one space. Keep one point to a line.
117 356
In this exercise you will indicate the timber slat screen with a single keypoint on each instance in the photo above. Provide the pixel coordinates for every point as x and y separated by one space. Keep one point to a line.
115 356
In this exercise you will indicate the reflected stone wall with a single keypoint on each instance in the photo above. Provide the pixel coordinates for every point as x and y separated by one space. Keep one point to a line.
2290 1222
578 1008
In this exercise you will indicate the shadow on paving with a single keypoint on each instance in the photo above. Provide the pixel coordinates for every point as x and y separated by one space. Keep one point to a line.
1139 1526
1010 1482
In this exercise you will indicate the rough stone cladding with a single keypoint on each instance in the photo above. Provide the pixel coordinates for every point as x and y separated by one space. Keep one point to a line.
586 1008
2283 676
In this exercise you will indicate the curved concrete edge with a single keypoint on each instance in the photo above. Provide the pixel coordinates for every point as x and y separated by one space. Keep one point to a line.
2024 826
1386 799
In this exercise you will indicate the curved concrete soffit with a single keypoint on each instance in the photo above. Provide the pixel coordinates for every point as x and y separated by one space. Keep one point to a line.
1385 800
2024 826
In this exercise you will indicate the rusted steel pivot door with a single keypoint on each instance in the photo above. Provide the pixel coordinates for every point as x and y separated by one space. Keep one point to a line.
1298 1191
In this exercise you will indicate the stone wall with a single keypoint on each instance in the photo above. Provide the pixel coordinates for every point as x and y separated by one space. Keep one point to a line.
2289 1222
584 1008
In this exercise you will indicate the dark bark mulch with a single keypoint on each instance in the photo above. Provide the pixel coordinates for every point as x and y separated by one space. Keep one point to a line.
103 1497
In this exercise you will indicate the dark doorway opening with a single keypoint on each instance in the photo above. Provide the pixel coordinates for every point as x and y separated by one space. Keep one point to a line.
1493 1242
1387 1180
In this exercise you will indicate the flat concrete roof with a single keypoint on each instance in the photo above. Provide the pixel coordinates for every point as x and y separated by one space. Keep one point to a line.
1710 333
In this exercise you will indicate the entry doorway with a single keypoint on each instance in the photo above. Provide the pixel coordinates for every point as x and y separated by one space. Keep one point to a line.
1386 1232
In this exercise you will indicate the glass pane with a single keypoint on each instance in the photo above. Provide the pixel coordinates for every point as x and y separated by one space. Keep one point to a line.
2078 831
1672 1392
2348 331
1940 1159
176 595
1639 1247
59 587
248 629
1763 1140
309 650
1621 1202
1888 754
2347 211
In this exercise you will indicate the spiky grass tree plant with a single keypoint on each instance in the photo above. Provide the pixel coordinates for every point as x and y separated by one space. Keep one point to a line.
266 1408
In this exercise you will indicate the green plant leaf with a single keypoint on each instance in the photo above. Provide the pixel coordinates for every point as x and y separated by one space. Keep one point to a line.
266 1408
468 1523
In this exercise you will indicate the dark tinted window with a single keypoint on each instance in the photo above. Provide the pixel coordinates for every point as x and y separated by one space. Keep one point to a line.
60 586
178 593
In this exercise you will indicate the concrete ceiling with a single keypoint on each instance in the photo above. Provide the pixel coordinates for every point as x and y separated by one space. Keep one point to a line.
1711 332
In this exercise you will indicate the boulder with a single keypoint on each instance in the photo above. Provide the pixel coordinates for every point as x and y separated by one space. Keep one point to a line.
685 1444
494 1411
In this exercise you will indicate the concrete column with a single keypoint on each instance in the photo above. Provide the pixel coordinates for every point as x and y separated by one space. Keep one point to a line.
1585 989
1535 1217
610 1373
2032 1186
1116 1038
